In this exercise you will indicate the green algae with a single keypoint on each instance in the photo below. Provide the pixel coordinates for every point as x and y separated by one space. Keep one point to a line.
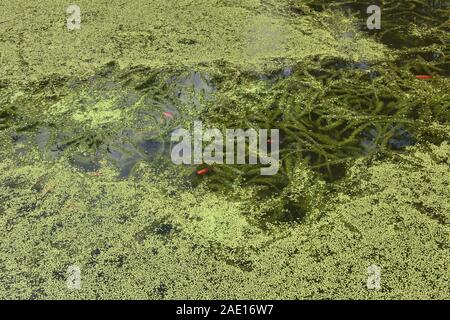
100 114
161 33
54 216
86 178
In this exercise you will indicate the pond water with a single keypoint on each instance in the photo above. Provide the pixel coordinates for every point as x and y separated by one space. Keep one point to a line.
363 118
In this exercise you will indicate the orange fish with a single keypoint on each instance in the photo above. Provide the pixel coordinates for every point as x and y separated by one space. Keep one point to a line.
203 171
423 76
168 115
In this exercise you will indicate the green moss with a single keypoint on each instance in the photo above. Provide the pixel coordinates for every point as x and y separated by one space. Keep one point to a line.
54 217
162 33
100 114
85 177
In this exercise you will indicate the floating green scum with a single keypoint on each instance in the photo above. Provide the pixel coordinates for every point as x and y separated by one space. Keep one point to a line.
92 207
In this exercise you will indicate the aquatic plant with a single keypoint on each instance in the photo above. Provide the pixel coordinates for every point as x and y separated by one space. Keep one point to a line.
85 178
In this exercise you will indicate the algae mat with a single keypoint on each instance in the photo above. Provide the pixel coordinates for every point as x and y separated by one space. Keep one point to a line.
92 207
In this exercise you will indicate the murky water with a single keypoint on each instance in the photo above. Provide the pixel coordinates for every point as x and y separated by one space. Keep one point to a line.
125 117
88 181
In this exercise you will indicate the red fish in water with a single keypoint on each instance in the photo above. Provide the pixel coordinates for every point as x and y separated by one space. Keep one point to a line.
168 115
203 171
423 76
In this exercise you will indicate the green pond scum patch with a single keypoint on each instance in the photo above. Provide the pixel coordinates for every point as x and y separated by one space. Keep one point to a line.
86 177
